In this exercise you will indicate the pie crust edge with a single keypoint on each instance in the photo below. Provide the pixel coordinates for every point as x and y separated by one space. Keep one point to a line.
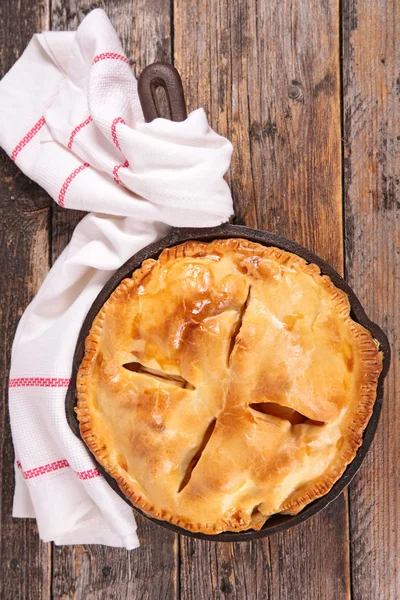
370 366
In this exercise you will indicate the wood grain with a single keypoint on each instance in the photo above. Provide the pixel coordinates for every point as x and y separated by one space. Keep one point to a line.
371 56
98 572
269 79
224 570
102 573
268 76
25 562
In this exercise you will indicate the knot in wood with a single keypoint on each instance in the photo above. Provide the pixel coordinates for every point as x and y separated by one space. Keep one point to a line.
295 92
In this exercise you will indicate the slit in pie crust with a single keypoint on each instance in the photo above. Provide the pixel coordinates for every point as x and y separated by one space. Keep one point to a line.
224 383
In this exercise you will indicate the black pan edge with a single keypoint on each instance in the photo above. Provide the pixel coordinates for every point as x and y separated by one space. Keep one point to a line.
277 523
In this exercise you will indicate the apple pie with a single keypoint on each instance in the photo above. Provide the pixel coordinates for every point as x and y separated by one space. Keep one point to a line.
226 382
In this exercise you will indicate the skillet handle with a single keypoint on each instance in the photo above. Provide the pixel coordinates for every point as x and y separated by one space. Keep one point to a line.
166 76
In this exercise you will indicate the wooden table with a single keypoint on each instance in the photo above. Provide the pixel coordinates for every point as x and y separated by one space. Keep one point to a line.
308 91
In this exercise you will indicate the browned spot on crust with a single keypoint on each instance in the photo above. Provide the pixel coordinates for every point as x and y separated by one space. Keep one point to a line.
249 266
273 389
290 320
122 462
99 359
348 356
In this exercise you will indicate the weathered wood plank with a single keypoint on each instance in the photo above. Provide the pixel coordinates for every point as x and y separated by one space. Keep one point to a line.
96 572
287 567
25 562
101 573
24 254
371 59
268 76
224 570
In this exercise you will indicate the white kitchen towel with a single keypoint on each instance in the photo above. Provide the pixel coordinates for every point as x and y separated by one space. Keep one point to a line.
71 120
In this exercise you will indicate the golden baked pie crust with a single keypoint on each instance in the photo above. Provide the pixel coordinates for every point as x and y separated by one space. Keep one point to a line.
222 334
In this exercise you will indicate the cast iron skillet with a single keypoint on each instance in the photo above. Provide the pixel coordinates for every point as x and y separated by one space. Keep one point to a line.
161 74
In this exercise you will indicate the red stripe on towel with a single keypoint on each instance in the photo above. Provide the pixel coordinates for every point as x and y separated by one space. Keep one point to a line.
39 382
114 131
27 138
77 130
56 466
109 55
65 185
117 168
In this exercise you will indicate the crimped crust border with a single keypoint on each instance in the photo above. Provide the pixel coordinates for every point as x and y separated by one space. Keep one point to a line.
370 369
